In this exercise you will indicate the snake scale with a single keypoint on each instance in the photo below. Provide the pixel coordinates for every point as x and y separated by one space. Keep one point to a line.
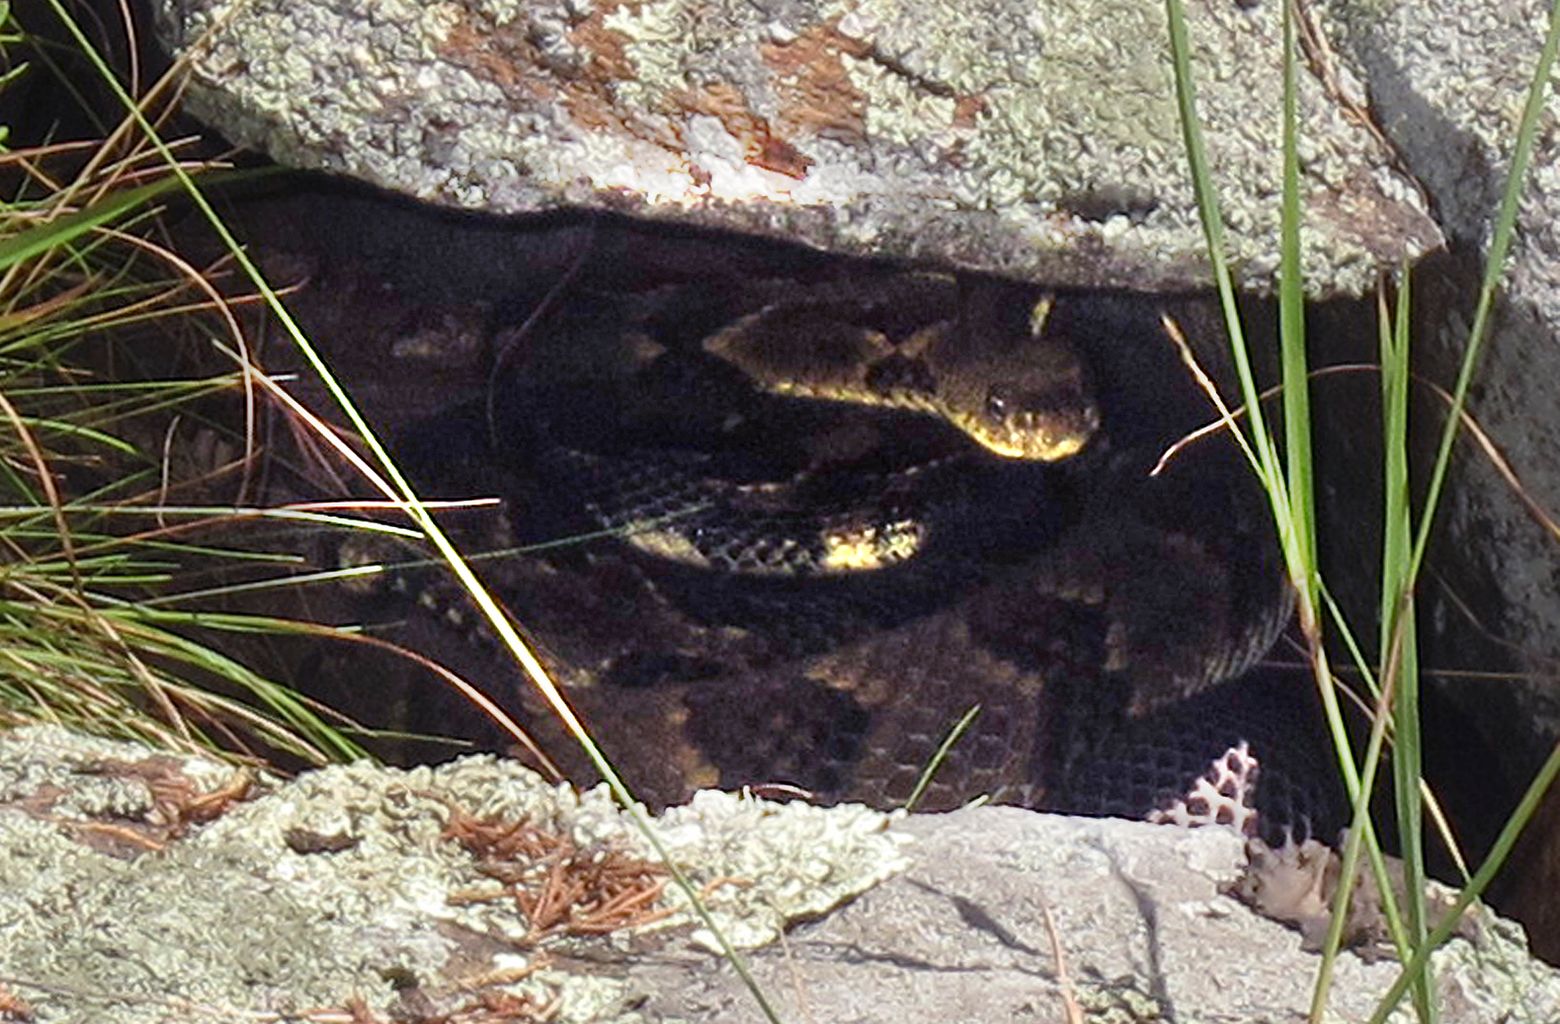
839 517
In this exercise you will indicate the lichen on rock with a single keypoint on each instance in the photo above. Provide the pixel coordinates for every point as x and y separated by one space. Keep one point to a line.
351 885
1037 141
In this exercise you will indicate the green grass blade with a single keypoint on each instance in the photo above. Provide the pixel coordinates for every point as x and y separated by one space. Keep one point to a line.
1503 229
1397 692
62 231
959 729
1299 559
1291 323
1399 670
1213 234
1499 851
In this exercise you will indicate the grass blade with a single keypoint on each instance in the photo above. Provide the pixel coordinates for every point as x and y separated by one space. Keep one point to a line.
1400 603
1399 669
1299 552
64 230
959 729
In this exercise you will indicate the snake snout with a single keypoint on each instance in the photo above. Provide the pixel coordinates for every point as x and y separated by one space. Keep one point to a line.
1044 424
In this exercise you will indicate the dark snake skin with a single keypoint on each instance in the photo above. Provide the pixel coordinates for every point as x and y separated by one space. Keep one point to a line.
1105 622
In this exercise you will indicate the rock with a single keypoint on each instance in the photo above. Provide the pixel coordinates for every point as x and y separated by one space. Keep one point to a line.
1036 142
1447 84
366 890
362 885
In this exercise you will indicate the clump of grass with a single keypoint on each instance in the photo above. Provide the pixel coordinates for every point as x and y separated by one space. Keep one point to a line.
84 539
1287 480
386 478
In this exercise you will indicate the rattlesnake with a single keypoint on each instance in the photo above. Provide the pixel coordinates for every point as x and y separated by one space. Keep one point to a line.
1101 617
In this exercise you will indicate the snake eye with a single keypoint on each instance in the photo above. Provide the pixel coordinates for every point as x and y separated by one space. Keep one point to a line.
997 404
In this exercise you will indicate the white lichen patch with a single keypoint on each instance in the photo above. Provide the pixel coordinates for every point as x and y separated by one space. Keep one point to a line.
784 861
654 34
80 778
345 882
897 111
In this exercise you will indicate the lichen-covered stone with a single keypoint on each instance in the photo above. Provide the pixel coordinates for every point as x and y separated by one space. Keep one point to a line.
343 892
344 885
1035 140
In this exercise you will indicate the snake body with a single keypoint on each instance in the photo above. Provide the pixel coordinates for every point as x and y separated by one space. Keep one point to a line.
1105 621
860 494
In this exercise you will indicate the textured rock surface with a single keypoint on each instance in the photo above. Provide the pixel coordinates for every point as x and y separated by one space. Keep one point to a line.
1135 914
344 885
339 887
1447 84
1037 141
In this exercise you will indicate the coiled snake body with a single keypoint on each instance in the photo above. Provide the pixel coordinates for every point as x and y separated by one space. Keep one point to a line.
812 593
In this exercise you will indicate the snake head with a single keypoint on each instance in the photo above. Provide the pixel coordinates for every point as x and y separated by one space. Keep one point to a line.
1022 394
1043 410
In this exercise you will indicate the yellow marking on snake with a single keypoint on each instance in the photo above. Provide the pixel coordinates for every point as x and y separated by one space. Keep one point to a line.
660 542
872 546
1019 397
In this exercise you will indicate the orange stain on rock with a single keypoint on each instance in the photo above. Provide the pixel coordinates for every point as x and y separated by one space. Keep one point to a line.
808 78
815 91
